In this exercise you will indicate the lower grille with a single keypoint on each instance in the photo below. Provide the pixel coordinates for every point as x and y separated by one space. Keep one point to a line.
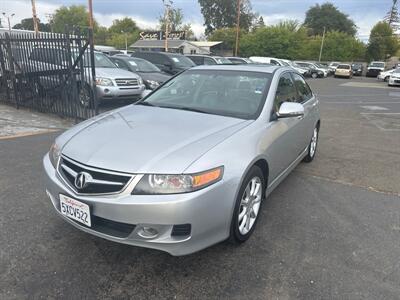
88 180
181 230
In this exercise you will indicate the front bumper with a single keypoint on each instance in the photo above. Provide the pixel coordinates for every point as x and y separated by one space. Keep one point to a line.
394 81
116 92
208 211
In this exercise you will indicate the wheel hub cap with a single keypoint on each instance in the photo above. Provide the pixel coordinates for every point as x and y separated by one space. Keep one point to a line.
250 205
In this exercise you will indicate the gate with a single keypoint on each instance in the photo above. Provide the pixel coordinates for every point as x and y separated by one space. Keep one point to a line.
49 72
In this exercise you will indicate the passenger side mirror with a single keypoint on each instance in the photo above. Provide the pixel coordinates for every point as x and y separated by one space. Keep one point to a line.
290 110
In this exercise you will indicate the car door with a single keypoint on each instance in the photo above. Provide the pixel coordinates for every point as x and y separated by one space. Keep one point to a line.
286 133
309 102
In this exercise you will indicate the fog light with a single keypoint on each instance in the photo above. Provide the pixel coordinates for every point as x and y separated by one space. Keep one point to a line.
147 232
106 91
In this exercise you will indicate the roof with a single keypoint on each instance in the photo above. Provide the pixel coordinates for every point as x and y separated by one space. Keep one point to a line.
205 43
157 43
244 68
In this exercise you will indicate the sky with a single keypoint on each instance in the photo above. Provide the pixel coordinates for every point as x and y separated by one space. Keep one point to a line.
365 13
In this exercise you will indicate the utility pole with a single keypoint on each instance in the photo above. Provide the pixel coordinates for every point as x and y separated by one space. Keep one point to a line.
322 45
237 27
8 17
35 19
167 5
90 5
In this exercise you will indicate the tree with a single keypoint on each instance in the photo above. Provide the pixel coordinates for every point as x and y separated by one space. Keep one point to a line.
175 20
27 24
392 17
223 14
382 42
226 35
69 17
328 16
125 25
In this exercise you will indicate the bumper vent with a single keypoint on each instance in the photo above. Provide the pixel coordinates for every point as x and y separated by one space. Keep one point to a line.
181 230
88 180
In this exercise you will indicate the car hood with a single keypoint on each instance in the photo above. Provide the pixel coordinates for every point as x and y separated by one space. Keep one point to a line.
114 73
141 139
156 76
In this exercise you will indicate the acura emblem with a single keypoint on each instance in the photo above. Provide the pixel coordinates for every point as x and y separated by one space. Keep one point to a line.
82 180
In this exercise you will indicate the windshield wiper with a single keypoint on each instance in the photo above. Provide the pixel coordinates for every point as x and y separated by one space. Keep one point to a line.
187 109
146 104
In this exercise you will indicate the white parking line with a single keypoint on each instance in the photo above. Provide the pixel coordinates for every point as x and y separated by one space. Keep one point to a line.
360 102
382 124
372 107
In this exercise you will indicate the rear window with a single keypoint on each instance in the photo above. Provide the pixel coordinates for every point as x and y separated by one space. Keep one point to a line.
344 67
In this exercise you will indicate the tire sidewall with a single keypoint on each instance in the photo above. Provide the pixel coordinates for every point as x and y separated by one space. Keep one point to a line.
235 234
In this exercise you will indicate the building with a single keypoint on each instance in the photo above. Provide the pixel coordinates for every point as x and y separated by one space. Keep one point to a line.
177 46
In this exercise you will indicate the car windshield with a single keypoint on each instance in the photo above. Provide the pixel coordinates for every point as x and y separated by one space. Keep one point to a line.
334 64
377 65
284 63
100 60
182 61
320 65
228 93
344 67
141 65
223 60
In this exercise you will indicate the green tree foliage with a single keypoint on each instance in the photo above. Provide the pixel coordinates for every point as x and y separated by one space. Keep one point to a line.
226 35
175 20
382 42
328 16
222 14
27 24
125 25
71 16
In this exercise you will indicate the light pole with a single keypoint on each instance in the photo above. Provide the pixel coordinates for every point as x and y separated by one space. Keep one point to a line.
126 41
167 5
34 17
322 45
8 19
237 27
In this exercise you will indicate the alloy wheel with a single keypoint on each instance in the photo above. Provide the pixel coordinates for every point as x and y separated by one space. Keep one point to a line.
314 140
250 205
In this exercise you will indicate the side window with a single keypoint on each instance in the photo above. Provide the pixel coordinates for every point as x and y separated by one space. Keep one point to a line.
157 59
121 64
286 91
198 60
303 89
274 62
209 61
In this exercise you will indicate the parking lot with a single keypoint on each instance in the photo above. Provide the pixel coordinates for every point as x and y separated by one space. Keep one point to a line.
330 231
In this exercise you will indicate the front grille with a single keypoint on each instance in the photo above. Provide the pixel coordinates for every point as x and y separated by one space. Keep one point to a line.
126 82
94 181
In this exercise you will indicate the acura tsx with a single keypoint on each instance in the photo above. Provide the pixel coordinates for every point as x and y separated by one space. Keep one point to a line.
189 165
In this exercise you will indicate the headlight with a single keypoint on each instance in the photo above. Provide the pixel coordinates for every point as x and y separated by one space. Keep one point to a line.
140 81
104 81
54 154
152 84
176 184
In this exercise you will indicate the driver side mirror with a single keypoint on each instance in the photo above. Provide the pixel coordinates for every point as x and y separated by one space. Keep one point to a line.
290 110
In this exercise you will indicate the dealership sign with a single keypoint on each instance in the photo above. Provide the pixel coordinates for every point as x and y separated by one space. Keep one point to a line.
159 35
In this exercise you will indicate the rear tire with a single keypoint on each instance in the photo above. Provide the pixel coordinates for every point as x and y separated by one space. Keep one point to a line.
314 75
248 206
85 96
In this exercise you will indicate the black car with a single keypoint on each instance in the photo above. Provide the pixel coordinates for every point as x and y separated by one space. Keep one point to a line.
357 68
171 63
313 72
208 60
239 60
152 76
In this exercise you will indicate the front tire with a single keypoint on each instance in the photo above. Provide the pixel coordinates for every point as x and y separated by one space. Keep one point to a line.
312 147
314 75
248 206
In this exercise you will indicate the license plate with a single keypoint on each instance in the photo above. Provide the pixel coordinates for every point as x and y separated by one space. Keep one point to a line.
75 210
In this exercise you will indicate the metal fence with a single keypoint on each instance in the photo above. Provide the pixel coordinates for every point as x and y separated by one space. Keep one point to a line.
49 72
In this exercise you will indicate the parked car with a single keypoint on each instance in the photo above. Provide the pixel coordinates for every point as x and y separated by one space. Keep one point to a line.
344 70
394 79
375 68
111 82
314 66
171 63
239 60
162 174
313 71
152 76
208 60
333 65
385 75
267 60
324 67
306 72
357 69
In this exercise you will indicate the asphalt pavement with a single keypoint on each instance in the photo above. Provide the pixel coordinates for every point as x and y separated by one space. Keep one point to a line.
331 230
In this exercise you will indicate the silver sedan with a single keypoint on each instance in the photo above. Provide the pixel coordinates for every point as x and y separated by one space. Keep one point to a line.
191 164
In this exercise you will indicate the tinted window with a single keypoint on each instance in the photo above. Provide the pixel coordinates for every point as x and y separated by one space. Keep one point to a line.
229 93
141 65
286 91
209 61
303 89
181 61
198 60
237 61
274 62
344 67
